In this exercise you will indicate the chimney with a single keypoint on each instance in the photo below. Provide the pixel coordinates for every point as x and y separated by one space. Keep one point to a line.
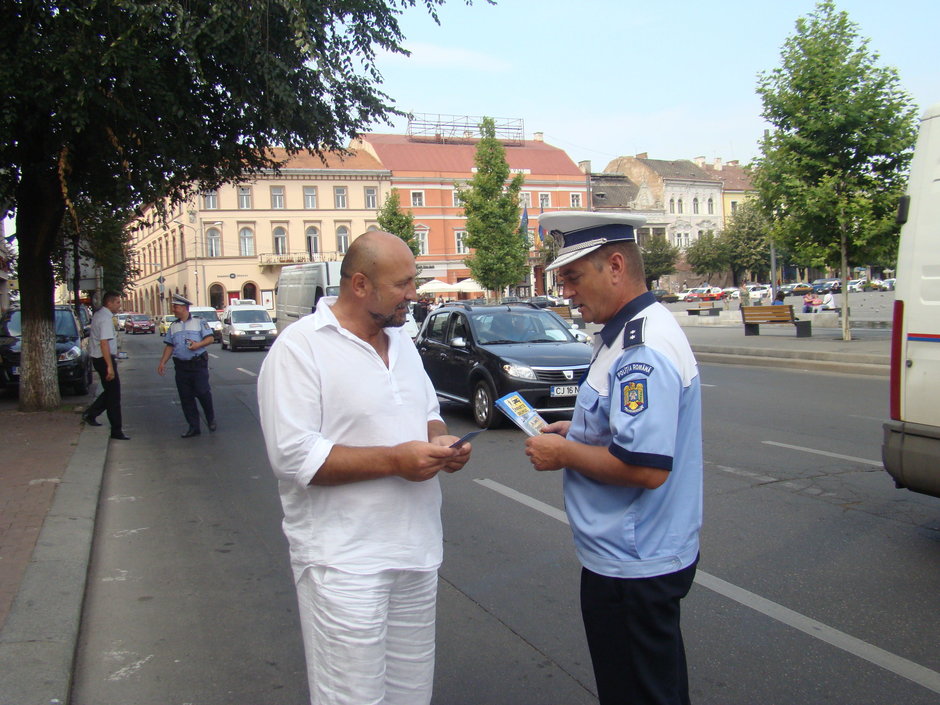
643 155
585 166
699 162
538 136
717 163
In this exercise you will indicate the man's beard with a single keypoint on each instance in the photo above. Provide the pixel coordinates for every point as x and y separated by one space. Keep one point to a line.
390 320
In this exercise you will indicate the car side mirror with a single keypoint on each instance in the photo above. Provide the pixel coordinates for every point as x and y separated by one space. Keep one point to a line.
458 342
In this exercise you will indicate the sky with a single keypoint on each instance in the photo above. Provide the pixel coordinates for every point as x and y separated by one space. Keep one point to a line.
606 78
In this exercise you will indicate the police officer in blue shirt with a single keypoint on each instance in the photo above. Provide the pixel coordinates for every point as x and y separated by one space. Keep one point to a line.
186 340
632 459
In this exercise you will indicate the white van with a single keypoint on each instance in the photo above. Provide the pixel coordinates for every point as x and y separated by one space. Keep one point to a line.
301 286
211 317
911 448
247 326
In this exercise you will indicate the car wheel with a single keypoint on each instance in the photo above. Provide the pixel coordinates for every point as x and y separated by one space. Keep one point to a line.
485 412
223 344
80 388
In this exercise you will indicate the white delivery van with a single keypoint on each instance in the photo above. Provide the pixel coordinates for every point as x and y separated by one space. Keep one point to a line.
911 448
247 326
301 286
211 317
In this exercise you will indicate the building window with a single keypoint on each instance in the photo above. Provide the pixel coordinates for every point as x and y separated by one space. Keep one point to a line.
372 197
545 200
576 200
339 197
310 196
280 241
734 207
246 242
525 199
213 242
672 205
695 206
277 197
244 197
711 207
210 200
680 206
460 247
313 241
342 239
421 237
417 199
455 195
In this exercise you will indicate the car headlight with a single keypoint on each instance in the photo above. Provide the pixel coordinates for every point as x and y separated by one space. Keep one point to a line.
73 353
238 332
521 371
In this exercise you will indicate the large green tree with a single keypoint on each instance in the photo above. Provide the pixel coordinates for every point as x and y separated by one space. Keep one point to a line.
392 219
708 255
659 258
835 163
122 103
491 205
746 241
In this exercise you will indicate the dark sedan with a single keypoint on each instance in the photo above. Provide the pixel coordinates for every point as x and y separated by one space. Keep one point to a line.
71 347
476 354
664 296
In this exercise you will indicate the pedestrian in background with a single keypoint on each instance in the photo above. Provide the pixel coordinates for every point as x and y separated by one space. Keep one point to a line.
103 351
779 298
355 437
632 459
744 294
186 340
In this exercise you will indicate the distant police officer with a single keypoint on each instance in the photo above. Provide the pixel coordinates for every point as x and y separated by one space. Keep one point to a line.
185 340
632 455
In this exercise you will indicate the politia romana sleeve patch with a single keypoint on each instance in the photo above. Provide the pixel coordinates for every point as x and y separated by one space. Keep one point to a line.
633 396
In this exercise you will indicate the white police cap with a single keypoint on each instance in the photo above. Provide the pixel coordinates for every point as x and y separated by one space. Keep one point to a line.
180 300
581 232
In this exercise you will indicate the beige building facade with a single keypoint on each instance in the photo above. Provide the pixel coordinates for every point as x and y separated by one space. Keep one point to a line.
232 243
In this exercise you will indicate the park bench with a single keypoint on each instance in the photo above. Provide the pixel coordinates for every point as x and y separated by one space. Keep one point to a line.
753 316
705 308
563 311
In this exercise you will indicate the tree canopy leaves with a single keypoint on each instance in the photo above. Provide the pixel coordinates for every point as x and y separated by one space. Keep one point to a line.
659 258
393 220
491 205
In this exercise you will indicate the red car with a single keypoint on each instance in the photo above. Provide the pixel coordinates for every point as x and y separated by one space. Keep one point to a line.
705 293
139 323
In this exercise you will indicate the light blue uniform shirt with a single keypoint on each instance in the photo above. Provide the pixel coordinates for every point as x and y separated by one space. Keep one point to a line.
195 329
641 400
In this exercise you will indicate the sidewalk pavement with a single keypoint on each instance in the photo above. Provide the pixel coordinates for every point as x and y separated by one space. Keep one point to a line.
52 473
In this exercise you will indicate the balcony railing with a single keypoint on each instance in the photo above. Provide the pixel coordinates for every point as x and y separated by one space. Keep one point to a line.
267 259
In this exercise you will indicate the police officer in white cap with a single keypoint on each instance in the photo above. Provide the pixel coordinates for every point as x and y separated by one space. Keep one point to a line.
186 340
632 460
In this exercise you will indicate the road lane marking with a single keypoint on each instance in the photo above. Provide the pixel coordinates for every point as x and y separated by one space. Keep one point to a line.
903 667
839 456
214 355
247 372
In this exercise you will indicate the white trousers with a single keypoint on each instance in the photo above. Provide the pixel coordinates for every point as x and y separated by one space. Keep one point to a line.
368 639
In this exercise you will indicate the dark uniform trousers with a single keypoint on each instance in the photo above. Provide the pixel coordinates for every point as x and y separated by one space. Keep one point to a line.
110 398
192 383
633 634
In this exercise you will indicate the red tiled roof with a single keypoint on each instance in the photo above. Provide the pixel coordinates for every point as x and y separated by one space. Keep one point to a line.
304 160
733 177
399 154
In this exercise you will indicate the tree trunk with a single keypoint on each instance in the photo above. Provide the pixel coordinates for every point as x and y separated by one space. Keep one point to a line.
39 209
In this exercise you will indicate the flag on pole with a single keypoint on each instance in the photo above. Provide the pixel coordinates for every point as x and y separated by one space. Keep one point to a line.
524 225
540 234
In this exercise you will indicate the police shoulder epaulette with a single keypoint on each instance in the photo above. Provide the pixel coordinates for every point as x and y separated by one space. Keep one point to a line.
633 333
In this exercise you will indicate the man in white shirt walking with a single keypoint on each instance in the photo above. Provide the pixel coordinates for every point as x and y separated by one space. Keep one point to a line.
103 351
355 437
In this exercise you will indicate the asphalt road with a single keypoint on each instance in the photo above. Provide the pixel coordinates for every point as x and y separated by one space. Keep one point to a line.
818 580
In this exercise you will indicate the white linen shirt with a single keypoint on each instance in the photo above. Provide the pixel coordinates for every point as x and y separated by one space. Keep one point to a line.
102 328
321 385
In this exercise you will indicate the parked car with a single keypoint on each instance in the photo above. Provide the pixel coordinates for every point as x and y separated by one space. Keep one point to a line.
71 346
731 292
800 289
139 323
704 293
120 320
543 301
476 354
888 284
760 291
163 323
664 296
856 285
825 286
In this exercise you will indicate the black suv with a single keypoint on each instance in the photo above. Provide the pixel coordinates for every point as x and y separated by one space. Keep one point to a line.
71 347
476 354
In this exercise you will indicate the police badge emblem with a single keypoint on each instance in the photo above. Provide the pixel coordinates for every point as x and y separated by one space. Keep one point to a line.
633 396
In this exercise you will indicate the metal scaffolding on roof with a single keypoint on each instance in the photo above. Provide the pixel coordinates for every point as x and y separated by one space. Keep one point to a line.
462 129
